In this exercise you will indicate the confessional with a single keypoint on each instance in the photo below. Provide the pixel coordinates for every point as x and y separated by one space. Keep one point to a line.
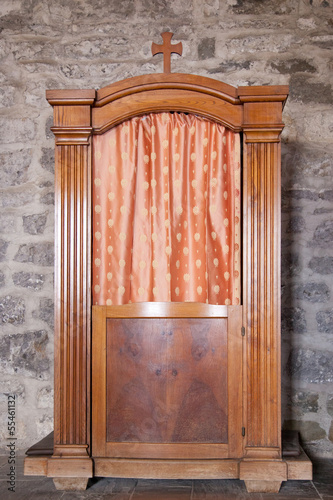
176 387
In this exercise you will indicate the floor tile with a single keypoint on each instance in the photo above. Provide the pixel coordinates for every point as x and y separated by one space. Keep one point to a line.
323 476
295 489
163 490
28 490
216 489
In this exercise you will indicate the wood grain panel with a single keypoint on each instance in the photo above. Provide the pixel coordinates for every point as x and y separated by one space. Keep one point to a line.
261 293
166 309
167 380
159 100
190 451
167 469
72 292
179 81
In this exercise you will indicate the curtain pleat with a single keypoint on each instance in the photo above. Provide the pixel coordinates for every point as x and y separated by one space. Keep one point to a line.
166 211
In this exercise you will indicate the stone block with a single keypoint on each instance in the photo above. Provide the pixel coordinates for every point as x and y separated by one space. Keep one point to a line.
322 265
17 197
319 211
309 431
7 223
25 354
34 224
296 224
309 168
45 312
265 7
48 133
3 249
164 8
206 48
302 194
293 320
329 405
290 264
32 281
47 159
16 130
326 195
318 127
305 401
44 426
311 366
7 96
290 66
322 41
255 44
325 321
41 254
306 23
45 397
312 292
10 386
12 310
323 235
2 279
229 66
14 167
303 90
47 198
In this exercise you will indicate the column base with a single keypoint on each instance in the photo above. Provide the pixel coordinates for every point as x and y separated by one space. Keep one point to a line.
71 483
259 486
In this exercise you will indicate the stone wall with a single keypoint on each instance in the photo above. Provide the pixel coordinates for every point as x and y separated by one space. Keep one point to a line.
89 44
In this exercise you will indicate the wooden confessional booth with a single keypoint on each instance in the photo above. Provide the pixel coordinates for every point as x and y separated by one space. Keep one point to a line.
167 283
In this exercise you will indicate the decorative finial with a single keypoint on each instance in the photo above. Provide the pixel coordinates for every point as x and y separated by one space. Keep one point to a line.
167 49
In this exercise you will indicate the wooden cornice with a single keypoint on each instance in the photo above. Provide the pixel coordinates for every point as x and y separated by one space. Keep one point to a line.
158 81
70 97
263 93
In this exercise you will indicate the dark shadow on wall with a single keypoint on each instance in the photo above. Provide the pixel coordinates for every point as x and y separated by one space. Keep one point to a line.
306 233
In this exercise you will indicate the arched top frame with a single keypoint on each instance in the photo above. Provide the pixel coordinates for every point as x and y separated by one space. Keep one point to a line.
247 109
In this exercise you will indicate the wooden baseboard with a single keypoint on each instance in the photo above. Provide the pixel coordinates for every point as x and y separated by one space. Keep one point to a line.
70 467
263 470
289 468
263 486
166 469
300 467
35 465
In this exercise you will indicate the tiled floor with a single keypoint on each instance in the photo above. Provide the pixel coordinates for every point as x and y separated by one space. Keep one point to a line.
39 488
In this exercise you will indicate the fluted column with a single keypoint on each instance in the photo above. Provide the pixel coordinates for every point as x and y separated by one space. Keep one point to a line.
261 278
72 130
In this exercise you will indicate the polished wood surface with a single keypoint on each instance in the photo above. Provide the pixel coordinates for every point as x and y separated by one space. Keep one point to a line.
167 48
72 271
261 297
167 380
167 469
167 377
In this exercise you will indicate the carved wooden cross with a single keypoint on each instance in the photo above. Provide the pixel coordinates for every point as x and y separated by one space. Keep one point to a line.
167 49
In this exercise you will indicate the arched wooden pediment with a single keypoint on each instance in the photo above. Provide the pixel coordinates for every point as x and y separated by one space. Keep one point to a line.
255 110
167 92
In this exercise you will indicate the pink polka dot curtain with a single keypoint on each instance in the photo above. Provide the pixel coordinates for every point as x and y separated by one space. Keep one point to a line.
166 211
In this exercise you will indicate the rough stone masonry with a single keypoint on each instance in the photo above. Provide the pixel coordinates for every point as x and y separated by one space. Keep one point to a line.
88 44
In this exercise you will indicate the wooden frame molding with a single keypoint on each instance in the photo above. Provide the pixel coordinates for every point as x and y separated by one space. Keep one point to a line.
233 316
256 112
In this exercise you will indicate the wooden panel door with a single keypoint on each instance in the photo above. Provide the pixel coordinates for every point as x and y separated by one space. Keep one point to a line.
166 386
